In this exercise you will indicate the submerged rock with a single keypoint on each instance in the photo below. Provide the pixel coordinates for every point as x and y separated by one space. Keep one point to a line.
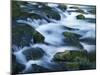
38 38
33 53
72 39
23 34
80 16
16 67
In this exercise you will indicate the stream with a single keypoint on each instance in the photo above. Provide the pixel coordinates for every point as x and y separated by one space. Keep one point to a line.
54 39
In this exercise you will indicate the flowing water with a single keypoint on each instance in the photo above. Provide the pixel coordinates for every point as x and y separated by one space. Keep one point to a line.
52 32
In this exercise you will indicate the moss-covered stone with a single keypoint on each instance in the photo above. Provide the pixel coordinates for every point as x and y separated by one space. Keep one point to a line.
33 53
63 7
72 39
70 55
23 34
38 38
75 60
72 65
80 16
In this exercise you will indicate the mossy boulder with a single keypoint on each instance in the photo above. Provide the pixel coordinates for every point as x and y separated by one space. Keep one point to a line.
80 16
63 7
33 53
72 66
38 37
75 60
72 39
16 67
23 34
69 55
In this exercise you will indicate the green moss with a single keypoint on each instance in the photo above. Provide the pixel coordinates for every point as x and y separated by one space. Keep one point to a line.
72 65
70 55
22 35
75 60
62 56
38 37
72 39
80 16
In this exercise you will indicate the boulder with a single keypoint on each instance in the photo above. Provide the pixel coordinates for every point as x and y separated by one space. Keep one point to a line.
69 55
75 60
23 34
72 39
33 53
62 7
80 16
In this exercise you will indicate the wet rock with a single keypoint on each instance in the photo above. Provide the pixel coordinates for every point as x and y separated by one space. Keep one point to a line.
38 69
18 12
23 34
74 60
72 39
62 7
41 11
80 16
72 66
33 53
38 38
69 55
16 67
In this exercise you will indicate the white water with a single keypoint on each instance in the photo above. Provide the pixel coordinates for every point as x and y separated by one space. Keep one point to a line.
53 36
